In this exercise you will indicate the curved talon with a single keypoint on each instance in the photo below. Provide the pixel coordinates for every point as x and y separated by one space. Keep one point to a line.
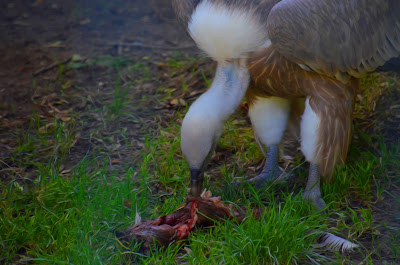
261 180
315 198
265 178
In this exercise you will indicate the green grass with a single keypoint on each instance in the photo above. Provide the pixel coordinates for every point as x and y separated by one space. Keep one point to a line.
283 234
73 219
59 216
66 219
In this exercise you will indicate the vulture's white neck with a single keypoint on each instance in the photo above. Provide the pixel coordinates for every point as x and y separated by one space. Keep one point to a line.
226 92
228 34
203 123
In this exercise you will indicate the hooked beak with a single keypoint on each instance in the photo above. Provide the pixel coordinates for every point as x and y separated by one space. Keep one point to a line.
196 182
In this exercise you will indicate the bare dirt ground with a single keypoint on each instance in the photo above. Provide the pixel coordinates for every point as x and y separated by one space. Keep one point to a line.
39 38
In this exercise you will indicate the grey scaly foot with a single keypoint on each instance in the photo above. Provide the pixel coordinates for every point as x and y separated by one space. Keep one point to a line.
271 171
268 176
312 192
315 199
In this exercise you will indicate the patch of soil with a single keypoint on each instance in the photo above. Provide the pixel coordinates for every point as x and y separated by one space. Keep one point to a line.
40 37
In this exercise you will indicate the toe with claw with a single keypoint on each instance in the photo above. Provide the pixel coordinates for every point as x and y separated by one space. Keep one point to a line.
315 198
267 177
312 192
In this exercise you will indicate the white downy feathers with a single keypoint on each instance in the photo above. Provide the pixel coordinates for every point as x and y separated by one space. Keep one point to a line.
269 117
309 133
138 218
225 33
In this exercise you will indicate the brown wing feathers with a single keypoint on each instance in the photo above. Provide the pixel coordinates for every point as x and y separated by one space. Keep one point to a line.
337 37
273 75
335 129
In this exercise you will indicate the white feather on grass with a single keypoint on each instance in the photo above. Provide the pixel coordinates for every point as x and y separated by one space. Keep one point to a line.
336 243
138 218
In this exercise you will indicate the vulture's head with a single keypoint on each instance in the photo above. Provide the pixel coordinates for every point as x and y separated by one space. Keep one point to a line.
200 132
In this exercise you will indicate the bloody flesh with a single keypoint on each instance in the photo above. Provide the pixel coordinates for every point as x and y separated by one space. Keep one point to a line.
198 212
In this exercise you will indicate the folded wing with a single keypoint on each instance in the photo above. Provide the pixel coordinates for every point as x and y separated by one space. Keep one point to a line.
339 38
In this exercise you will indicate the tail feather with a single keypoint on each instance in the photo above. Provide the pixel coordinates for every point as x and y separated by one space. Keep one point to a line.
391 65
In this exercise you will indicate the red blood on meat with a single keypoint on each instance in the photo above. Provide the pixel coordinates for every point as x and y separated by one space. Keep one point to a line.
179 224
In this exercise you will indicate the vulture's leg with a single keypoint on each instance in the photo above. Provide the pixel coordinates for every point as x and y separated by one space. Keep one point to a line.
312 192
310 125
269 117
326 133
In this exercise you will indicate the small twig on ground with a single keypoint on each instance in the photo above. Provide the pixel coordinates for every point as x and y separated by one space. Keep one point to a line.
193 95
168 105
10 168
51 66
